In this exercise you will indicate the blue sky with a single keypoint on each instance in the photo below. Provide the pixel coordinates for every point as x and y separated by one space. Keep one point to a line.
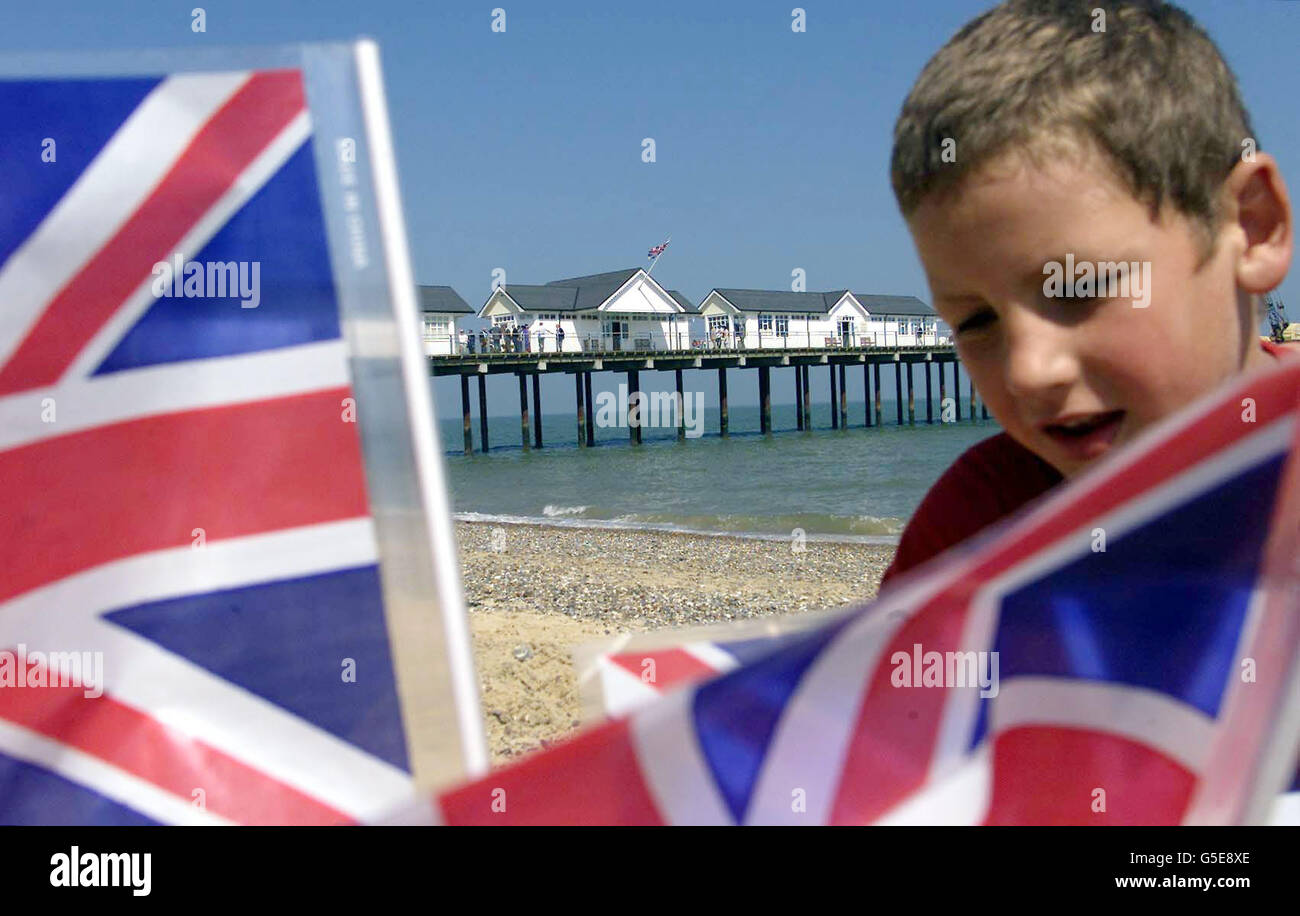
522 150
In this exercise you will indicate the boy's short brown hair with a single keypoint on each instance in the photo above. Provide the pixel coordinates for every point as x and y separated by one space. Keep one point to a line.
1150 91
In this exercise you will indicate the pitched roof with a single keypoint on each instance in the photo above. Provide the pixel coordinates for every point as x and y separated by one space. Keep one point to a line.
442 299
691 309
594 289
579 294
542 298
776 300
893 305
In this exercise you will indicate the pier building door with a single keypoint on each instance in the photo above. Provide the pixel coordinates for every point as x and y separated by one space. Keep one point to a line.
846 332
616 333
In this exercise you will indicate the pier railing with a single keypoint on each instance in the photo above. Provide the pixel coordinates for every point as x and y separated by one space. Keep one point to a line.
481 344
565 361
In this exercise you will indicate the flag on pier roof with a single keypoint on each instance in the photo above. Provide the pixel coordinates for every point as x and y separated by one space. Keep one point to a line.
193 624
1124 652
657 250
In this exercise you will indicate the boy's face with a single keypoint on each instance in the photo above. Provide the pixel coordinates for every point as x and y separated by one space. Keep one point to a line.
1044 364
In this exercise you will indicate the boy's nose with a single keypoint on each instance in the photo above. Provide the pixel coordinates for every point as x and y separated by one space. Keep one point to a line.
1040 362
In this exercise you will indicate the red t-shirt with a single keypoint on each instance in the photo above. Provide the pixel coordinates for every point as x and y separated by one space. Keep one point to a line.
991 480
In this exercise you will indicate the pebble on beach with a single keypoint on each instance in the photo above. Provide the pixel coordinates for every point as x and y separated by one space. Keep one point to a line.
534 592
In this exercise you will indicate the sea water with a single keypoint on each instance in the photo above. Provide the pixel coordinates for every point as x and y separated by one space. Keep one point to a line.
856 484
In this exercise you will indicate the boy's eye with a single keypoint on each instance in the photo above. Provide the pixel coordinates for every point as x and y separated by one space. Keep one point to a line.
1104 285
977 321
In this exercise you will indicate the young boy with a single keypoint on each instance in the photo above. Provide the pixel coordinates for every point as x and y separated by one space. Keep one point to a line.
1048 135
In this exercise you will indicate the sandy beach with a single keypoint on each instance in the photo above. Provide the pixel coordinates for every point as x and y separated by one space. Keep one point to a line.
545 589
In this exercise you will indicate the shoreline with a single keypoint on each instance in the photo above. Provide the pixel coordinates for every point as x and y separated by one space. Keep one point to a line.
535 591
614 524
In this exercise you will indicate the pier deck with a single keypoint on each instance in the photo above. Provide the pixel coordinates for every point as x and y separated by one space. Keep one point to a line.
633 362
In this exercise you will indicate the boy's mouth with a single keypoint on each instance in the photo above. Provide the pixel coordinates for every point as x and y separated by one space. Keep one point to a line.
1084 436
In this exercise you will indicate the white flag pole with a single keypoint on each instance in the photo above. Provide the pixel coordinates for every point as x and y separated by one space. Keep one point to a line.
651 268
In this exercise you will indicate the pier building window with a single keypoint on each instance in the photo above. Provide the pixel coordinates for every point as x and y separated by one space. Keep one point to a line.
782 325
764 323
435 326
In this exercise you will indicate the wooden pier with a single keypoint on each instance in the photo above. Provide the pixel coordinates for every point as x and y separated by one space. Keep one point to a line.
802 361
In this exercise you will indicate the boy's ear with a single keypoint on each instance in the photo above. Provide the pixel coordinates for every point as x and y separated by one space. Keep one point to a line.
1259 209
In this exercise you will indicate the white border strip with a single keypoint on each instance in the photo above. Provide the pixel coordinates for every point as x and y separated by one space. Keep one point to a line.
1265 443
817 726
187 697
247 184
428 465
95 775
1147 717
961 708
158 575
622 691
118 397
960 798
676 773
708 653
118 180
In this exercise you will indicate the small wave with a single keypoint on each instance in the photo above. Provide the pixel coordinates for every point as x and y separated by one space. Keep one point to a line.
561 511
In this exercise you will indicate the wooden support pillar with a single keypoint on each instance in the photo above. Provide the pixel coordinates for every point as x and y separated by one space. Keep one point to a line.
482 412
591 426
943 394
911 398
765 399
866 390
844 400
464 410
722 400
956 388
537 410
634 425
929 397
681 407
835 414
898 391
582 413
877 375
523 409
807 402
798 397
984 410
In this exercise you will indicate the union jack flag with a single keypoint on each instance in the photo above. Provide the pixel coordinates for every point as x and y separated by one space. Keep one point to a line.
623 679
184 494
657 250
1142 632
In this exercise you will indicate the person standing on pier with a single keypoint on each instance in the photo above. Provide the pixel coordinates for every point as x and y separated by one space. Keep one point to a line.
524 334
559 337
1276 316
